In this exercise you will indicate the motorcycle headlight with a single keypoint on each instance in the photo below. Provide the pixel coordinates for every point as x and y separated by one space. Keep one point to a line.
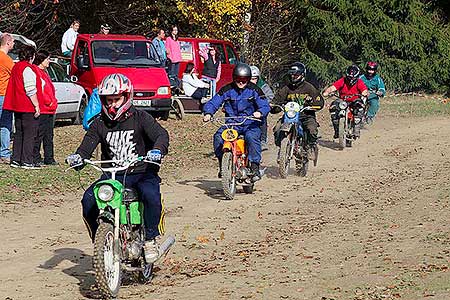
343 105
163 90
291 113
105 192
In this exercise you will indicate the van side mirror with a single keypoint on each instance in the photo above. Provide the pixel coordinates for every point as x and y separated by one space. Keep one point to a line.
81 63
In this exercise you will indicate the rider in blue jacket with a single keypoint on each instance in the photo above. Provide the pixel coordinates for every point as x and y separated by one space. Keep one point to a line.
376 88
240 98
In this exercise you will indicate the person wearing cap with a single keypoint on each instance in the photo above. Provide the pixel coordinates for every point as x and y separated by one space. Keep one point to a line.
268 93
69 38
104 29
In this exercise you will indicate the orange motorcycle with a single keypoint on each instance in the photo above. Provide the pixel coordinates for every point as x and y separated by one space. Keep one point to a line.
235 165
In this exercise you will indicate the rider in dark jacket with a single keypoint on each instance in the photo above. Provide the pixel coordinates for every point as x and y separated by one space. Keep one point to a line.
240 98
125 133
304 93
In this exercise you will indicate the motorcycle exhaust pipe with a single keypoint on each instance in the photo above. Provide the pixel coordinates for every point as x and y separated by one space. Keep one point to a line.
165 247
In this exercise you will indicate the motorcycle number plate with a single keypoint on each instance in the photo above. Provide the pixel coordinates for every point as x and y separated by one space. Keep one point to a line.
142 102
229 135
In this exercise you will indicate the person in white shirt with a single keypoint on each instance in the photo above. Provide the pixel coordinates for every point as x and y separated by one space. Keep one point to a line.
69 38
192 86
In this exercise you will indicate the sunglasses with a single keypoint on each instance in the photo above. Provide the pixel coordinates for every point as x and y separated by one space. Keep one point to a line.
241 79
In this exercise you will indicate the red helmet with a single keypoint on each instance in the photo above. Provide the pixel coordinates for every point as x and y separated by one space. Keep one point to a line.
371 65
115 84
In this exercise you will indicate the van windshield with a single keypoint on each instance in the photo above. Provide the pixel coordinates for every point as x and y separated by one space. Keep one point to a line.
124 53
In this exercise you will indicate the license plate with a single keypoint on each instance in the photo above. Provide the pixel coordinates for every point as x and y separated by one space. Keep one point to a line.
142 102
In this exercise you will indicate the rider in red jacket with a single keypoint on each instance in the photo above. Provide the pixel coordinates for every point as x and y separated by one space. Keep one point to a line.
350 89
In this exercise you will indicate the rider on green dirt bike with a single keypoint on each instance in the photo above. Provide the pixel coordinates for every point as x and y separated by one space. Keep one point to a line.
348 87
376 88
240 98
124 134
303 92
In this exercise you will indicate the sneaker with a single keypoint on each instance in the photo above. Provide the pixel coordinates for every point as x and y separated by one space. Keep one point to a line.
15 164
30 166
336 135
51 163
151 251
204 100
5 160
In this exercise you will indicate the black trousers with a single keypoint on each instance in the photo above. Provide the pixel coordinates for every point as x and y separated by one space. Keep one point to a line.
199 93
45 138
27 127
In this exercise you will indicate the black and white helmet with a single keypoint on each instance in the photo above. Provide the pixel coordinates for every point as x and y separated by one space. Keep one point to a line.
352 74
297 72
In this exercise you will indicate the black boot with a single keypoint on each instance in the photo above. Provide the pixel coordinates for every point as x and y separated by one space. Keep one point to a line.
256 175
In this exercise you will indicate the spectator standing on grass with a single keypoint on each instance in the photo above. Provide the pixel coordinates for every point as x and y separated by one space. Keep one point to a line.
69 38
6 65
158 43
47 105
212 67
173 51
21 97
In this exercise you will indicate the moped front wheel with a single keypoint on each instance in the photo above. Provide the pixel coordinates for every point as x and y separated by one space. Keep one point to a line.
108 273
228 176
284 157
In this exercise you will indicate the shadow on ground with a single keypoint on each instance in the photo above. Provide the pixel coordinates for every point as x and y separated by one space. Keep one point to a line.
82 269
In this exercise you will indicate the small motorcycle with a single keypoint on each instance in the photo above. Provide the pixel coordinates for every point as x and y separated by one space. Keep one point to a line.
347 119
294 141
235 165
119 240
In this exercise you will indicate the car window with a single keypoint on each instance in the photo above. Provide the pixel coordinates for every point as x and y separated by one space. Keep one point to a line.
52 73
186 51
232 58
126 53
59 72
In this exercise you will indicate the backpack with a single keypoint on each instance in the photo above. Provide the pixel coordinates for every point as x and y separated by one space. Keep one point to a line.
93 109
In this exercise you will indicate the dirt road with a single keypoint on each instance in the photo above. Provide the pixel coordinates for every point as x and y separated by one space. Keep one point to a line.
369 222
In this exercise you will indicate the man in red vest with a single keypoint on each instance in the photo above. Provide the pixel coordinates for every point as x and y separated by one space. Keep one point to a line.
21 98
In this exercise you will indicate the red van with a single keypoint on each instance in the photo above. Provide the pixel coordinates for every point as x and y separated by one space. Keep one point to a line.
190 53
97 55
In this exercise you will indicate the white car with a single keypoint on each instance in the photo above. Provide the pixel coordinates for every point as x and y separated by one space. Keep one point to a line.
72 98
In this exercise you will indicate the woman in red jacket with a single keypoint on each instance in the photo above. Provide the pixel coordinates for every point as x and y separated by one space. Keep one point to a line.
47 105
21 98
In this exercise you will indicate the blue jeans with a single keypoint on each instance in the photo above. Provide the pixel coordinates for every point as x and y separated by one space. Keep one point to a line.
252 137
147 186
212 84
5 136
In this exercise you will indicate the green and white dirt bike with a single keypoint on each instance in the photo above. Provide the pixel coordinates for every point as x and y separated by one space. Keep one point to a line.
119 240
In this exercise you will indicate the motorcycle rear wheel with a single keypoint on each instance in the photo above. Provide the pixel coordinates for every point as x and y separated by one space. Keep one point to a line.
284 162
108 272
301 166
228 176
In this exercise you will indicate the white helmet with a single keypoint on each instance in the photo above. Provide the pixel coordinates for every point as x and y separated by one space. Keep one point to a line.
255 71
115 84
